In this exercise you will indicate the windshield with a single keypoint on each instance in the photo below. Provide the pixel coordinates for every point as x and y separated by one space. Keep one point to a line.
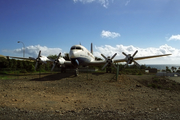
76 48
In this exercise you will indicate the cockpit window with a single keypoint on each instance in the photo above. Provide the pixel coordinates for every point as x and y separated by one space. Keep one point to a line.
76 48
72 48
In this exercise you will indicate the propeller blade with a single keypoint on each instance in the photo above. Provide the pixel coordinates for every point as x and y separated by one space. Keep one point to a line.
136 63
134 53
38 59
55 62
53 67
124 54
39 54
127 63
103 56
36 65
104 66
114 65
113 56
59 55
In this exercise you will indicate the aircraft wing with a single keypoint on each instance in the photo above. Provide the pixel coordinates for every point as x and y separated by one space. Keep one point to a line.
45 59
19 58
67 63
101 62
96 63
140 58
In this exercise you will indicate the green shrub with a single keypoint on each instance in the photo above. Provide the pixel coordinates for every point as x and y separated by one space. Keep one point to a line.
23 71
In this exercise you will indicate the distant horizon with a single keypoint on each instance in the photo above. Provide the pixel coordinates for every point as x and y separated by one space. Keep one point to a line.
161 64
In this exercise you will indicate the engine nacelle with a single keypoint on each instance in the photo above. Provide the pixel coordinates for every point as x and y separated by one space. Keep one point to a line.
43 59
61 61
129 58
109 61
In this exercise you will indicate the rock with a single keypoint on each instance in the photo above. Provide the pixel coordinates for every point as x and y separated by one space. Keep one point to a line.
14 99
138 85
57 111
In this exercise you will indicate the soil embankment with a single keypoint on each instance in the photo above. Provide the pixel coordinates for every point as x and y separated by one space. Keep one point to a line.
89 96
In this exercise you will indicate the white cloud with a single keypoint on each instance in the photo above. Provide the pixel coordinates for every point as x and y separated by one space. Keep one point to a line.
104 3
127 2
174 37
108 50
32 51
108 34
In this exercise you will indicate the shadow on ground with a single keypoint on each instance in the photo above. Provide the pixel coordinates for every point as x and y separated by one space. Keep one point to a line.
53 77
98 73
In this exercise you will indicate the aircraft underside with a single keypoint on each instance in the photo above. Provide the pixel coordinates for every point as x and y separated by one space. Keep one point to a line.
79 61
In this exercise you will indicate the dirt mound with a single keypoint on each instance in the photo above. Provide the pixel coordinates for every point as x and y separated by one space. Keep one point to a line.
88 96
157 82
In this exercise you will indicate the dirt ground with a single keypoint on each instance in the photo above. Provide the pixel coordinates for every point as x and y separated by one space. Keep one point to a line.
89 96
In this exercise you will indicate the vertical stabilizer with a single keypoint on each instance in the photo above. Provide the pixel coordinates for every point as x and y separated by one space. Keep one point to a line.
91 48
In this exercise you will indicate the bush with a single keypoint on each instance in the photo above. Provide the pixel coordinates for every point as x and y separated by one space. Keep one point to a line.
23 71
140 73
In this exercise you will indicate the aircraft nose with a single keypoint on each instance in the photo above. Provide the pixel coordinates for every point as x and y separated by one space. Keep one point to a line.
73 54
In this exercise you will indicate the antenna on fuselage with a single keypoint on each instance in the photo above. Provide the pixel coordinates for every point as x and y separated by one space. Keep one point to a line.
91 48
79 43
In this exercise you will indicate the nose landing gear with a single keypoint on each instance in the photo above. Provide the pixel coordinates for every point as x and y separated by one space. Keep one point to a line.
76 72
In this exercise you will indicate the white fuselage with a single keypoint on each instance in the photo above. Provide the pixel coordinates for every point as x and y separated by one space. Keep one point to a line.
79 55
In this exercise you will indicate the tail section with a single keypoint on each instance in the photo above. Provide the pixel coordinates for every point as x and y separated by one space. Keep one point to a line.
91 48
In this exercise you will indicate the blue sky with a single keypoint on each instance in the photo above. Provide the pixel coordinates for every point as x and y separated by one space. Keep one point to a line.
53 26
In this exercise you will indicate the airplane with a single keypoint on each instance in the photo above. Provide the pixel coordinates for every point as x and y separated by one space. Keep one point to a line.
80 56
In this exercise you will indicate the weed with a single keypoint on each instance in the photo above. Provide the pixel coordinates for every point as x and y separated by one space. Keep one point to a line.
159 86
174 83
155 79
23 71
154 85
139 73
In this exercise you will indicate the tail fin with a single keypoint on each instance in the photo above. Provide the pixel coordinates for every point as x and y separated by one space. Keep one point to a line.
91 48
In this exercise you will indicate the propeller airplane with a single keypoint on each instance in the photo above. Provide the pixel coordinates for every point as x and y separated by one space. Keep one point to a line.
80 56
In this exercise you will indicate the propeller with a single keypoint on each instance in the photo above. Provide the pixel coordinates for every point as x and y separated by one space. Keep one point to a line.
108 60
38 59
56 61
130 58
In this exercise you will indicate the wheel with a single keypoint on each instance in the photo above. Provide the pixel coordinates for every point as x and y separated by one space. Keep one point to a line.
76 72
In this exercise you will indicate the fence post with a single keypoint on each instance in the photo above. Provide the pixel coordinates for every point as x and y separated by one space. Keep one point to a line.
117 72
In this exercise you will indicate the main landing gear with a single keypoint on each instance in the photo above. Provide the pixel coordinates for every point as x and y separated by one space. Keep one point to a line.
63 69
108 69
76 72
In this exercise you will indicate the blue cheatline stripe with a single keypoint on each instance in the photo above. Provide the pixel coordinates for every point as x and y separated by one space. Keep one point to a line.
79 61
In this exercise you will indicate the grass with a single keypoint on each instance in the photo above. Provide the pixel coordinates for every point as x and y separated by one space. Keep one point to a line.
155 79
161 83
7 77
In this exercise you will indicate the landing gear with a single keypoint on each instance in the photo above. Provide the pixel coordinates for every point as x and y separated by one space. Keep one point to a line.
76 72
63 69
108 69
